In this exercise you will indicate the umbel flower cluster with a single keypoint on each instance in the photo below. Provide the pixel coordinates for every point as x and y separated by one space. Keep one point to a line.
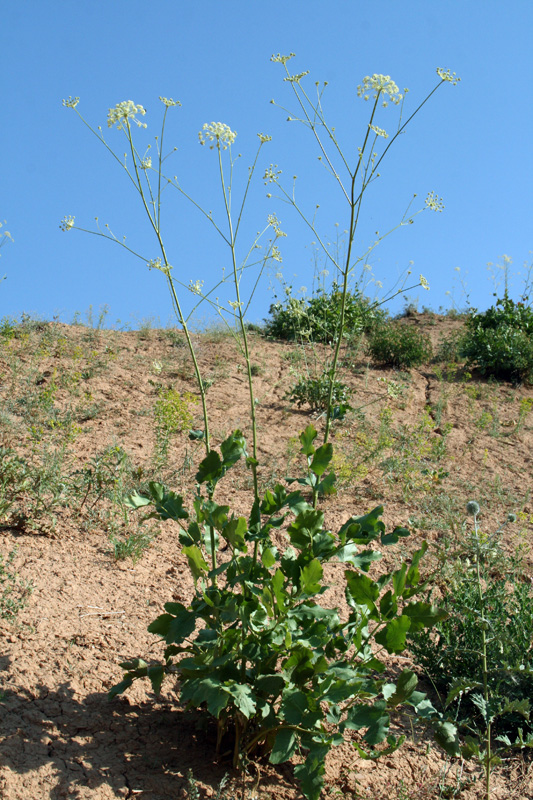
125 112
380 85
217 133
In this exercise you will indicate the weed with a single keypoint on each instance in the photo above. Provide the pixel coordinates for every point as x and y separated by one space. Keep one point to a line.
14 592
131 546
173 414
316 319
316 392
449 349
107 474
396 344
14 479
500 341
481 654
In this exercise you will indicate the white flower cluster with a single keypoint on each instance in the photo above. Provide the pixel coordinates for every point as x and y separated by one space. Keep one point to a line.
379 131
196 287
272 174
168 101
72 102
446 75
423 283
380 85
264 138
123 112
217 132
434 202
296 78
66 223
275 254
282 59
273 221
146 163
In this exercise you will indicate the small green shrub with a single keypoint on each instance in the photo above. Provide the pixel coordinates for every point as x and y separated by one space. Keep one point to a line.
8 329
14 592
14 479
172 410
449 348
132 546
452 654
500 341
316 319
396 344
279 672
315 393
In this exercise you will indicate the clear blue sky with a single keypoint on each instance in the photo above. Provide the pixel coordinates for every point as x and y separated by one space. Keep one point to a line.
471 144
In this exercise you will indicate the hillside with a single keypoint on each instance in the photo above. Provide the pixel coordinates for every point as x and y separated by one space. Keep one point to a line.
89 415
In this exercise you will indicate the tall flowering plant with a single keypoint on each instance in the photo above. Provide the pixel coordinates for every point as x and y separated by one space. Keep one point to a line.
280 673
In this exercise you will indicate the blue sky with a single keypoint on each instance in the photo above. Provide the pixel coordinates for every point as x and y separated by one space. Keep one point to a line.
471 144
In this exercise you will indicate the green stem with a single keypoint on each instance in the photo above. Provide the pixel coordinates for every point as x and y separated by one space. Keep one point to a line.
488 754
175 301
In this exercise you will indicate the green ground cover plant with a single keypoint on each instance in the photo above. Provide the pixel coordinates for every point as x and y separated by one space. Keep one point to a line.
499 341
480 656
278 673
394 344
315 392
14 592
316 319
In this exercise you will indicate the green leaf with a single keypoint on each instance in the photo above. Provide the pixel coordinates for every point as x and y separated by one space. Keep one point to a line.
118 688
311 577
374 718
294 706
392 538
234 531
207 690
156 675
362 589
521 707
268 557
210 469
363 530
136 664
405 686
362 561
459 687
307 438
304 527
327 486
160 625
423 615
176 625
311 773
278 579
388 607
136 500
269 685
171 507
196 435
321 459
394 634
192 536
243 697
197 563
232 449
446 736
399 580
284 746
